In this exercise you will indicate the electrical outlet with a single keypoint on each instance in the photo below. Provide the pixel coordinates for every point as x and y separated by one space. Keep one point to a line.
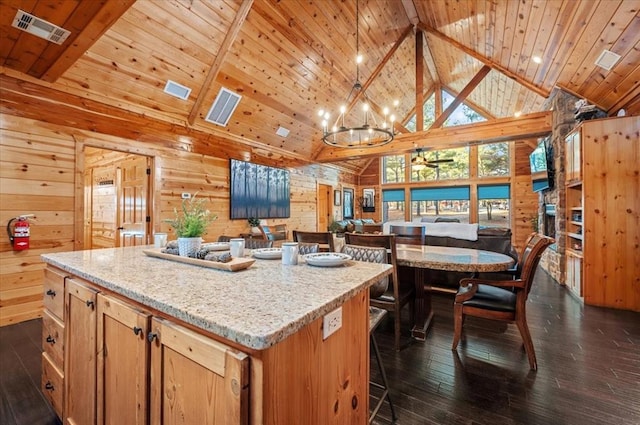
186 195
331 323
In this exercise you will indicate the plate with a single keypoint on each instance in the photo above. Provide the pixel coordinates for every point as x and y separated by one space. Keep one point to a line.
327 259
267 253
216 246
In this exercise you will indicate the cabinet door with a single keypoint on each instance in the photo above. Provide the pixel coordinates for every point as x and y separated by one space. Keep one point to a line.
122 363
577 156
80 353
195 380
574 274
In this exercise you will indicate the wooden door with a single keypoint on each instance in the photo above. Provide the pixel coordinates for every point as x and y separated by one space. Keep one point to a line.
133 203
195 380
122 363
80 353
325 202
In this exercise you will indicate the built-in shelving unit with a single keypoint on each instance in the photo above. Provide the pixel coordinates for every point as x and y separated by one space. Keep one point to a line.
602 160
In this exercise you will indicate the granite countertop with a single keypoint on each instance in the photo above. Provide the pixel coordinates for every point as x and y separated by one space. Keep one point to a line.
452 259
256 307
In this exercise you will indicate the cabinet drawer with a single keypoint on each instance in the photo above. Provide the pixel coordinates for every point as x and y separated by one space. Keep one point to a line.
53 338
54 292
52 384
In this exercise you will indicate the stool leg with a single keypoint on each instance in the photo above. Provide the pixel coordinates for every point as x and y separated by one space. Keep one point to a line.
385 383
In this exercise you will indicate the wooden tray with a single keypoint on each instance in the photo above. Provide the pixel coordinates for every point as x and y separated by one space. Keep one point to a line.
232 266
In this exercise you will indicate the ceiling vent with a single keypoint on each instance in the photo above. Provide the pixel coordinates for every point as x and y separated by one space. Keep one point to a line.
282 132
177 90
40 28
607 59
223 107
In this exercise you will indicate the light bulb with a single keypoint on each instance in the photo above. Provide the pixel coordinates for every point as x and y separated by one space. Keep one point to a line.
343 109
385 111
396 102
392 118
327 116
334 128
359 58
365 107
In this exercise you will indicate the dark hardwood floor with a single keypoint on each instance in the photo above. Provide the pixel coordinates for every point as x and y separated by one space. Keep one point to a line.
588 368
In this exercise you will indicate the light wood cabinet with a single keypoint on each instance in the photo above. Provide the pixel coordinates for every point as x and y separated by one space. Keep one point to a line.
53 339
80 353
128 363
123 363
603 211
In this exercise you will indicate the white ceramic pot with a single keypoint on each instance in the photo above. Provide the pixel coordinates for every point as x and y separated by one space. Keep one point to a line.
187 247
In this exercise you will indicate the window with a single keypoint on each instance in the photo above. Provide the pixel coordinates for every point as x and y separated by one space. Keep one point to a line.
429 203
457 169
393 205
393 169
493 159
493 205
428 115
463 114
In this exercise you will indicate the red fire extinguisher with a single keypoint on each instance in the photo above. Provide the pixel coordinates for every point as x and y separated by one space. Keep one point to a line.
20 236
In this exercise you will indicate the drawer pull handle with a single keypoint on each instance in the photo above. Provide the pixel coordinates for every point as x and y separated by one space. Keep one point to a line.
152 336
51 340
90 304
137 330
51 292
49 386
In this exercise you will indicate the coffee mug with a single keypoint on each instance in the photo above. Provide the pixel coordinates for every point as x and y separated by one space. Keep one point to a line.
236 247
290 253
160 240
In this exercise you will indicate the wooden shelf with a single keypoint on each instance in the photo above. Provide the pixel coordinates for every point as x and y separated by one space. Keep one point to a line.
575 236
577 223
574 252
576 208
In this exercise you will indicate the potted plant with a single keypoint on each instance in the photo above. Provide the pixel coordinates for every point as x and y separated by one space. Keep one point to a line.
254 223
190 224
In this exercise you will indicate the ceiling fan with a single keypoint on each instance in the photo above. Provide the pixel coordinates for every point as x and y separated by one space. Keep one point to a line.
419 162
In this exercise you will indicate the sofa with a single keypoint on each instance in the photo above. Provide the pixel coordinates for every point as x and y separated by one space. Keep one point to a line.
340 227
495 239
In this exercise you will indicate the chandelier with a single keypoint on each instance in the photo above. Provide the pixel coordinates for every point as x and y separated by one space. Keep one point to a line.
353 130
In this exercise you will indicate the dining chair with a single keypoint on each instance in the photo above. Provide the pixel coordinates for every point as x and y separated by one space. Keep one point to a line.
308 248
399 293
323 238
376 315
252 243
446 220
503 300
223 238
411 235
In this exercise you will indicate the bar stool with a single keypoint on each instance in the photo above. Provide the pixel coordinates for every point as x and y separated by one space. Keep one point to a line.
375 317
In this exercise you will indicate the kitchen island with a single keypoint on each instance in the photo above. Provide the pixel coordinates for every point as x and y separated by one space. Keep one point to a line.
166 342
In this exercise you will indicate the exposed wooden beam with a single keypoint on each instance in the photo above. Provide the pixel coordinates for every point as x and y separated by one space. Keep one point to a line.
542 92
466 91
225 47
410 10
109 13
630 97
500 130
381 65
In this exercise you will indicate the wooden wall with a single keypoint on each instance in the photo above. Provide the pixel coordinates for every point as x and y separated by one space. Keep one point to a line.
43 173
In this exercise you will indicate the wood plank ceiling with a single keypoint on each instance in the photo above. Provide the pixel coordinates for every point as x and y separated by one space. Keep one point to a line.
288 59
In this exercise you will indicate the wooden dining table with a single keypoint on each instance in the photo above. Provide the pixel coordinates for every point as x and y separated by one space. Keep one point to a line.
424 257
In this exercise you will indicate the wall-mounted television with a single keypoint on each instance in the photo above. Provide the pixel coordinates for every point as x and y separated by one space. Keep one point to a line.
258 191
541 162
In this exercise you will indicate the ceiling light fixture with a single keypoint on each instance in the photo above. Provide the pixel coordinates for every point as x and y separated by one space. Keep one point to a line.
353 130
537 59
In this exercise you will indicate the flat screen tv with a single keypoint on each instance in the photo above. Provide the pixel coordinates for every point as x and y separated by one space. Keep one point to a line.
541 162
258 191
